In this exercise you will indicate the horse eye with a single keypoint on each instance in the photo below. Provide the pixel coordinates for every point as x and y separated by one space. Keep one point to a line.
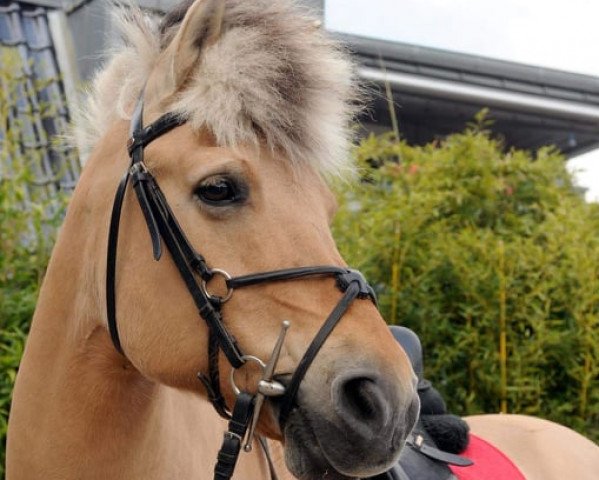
218 192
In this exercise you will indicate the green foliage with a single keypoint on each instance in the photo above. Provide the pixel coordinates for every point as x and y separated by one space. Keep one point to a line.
29 218
466 243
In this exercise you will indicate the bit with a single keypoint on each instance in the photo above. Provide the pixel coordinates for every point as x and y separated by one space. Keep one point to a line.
268 385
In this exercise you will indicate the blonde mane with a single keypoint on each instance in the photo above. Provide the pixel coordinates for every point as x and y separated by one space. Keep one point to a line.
272 77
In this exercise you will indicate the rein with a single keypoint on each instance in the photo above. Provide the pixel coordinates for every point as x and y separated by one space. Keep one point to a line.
195 272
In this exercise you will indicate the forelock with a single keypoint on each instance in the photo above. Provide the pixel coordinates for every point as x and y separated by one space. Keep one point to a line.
273 77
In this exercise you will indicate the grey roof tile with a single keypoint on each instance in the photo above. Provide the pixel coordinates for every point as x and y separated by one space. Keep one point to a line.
39 109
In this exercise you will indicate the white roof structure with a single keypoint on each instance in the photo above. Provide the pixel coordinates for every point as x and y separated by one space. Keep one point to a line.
437 92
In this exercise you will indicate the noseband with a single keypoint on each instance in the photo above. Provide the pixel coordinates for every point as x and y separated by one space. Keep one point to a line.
195 272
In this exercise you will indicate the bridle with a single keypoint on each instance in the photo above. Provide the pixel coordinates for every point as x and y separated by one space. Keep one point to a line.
195 272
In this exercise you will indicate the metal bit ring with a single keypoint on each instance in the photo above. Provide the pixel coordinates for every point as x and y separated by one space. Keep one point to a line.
216 298
246 358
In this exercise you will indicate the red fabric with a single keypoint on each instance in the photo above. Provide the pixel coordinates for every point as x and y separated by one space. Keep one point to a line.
489 463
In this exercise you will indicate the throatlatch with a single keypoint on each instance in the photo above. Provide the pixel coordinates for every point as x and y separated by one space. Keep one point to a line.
196 274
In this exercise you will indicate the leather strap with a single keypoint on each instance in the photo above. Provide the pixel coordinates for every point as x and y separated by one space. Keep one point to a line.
193 258
145 182
285 274
161 126
113 236
156 210
139 175
354 285
212 380
142 137
417 442
231 446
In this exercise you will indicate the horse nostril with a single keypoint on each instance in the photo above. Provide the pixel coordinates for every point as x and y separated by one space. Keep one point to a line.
361 397
361 402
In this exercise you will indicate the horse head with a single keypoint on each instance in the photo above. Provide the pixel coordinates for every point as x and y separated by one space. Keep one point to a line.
264 99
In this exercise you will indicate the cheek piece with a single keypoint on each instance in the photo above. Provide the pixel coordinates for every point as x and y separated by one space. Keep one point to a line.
196 274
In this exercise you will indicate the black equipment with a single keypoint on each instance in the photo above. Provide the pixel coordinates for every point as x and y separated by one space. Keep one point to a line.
195 272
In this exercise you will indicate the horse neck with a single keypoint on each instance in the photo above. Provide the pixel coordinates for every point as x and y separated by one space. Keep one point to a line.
72 381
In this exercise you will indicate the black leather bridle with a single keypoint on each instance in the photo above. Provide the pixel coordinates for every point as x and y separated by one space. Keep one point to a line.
195 272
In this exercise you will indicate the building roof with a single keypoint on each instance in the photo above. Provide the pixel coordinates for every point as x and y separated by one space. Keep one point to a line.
65 5
40 110
437 92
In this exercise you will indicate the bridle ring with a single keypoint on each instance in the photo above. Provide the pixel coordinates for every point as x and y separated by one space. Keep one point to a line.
245 358
216 298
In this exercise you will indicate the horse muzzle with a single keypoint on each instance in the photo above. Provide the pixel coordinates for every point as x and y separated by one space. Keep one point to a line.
354 428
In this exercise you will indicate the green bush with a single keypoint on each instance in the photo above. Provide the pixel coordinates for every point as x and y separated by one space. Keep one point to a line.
467 245
29 218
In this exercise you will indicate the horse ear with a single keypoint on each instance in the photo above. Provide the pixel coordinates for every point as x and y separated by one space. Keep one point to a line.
201 27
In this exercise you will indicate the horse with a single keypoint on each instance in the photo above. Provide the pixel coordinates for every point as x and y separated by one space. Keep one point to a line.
168 303
227 116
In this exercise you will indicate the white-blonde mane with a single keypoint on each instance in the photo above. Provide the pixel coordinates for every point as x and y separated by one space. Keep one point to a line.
271 77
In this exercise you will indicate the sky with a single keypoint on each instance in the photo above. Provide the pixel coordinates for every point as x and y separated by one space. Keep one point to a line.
548 33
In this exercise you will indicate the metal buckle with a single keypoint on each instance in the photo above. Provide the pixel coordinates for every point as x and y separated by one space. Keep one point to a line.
138 167
216 298
233 436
